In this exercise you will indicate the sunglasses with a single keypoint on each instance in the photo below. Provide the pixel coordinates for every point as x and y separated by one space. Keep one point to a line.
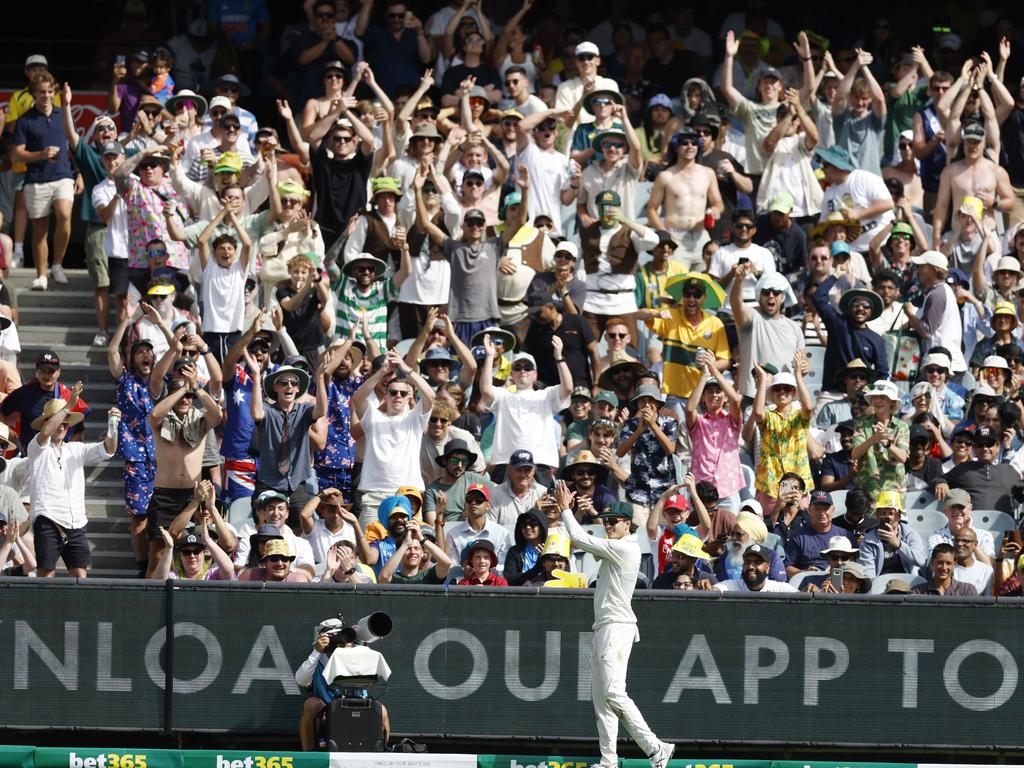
216 114
859 375
473 222
992 371
149 165
687 143
398 392
334 76
860 305
743 225
602 102
290 202
900 236
231 128
396 15
613 144
522 367
458 460
610 522
615 335
277 559
199 552
234 88
342 139
293 383
585 57
153 112
585 472
259 346
771 292
840 557
693 294
439 420
473 183
703 132
156 253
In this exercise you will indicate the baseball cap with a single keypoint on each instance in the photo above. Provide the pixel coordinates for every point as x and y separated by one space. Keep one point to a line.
957 497
36 60
973 132
568 247
756 550
781 202
111 148
821 497
267 496
474 213
771 72
677 501
189 542
586 47
617 509
582 392
221 101
521 458
604 396
985 435
48 358
480 488
918 432
933 259
524 356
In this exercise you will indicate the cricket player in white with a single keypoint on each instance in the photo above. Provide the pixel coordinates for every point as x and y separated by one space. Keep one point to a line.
614 628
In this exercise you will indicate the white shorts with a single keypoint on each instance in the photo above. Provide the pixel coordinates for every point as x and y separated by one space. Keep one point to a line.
691 244
39 196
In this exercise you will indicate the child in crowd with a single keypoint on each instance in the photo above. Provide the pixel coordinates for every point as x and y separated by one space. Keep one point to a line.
223 289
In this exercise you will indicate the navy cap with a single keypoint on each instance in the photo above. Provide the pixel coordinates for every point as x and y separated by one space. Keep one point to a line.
986 435
521 458
756 550
918 432
189 542
48 358
821 497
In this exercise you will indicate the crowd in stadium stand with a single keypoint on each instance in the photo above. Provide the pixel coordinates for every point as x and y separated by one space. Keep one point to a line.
363 305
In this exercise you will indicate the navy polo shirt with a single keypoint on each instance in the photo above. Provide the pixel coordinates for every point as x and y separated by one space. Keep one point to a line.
804 549
37 131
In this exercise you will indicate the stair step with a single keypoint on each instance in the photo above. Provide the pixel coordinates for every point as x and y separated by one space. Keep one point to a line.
82 317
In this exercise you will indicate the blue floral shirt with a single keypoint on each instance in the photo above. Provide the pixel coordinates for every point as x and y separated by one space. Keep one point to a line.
134 438
340 450
651 469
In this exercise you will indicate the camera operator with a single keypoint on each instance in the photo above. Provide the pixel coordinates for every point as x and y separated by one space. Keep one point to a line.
309 676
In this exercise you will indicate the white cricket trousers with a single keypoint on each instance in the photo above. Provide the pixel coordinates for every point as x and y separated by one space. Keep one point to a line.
608 664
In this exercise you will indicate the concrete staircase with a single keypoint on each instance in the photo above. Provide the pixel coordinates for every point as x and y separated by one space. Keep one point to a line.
62 319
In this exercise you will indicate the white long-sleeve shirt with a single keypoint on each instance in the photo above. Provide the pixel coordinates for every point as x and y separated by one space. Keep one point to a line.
304 674
616 576
57 490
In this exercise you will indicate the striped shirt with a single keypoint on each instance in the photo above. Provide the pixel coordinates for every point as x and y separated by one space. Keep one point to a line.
352 305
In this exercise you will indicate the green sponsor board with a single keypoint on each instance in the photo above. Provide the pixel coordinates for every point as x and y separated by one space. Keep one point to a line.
243 759
837 764
49 757
16 757
100 650
535 761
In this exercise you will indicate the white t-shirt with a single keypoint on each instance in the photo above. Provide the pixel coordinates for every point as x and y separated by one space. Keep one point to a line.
223 296
321 540
978 576
429 281
739 585
391 456
728 256
116 240
523 420
860 190
549 175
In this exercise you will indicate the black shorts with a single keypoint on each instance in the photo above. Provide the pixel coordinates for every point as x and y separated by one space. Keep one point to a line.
164 505
117 271
53 543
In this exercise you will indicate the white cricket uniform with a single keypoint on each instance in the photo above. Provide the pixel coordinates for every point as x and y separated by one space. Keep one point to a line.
615 632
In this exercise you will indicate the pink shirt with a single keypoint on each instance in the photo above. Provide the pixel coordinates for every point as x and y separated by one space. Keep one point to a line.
146 222
716 452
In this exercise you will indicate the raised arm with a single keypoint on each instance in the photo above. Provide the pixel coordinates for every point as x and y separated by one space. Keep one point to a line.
434 232
204 238
740 313
69 121
761 381
114 362
729 92
487 390
803 393
256 400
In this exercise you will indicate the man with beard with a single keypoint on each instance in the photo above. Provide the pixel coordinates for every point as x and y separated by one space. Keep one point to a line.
334 464
478 525
454 481
411 563
440 431
754 576
135 437
587 477
239 465
747 530
394 513
549 319
849 337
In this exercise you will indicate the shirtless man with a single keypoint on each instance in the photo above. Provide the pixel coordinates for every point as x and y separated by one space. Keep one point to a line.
179 433
974 176
687 190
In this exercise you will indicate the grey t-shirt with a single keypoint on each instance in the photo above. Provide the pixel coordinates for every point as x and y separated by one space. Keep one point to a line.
862 137
766 340
271 432
474 285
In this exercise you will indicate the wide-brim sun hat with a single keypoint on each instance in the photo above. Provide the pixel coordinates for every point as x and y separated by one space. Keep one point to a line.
884 388
301 375
601 93
185 94
853 228
859 293
714 296
508 339
379 267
